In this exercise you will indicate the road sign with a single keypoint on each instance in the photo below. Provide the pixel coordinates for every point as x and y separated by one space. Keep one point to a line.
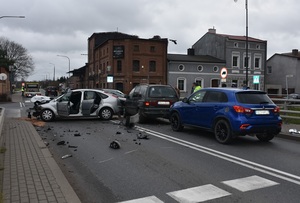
223 73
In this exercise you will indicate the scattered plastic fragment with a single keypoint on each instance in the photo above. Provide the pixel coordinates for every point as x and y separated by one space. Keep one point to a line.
115 144
71 146
61 143
66 156
77 134
294 131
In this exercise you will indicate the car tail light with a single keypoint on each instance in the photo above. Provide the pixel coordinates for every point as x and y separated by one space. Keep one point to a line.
240 109
276 109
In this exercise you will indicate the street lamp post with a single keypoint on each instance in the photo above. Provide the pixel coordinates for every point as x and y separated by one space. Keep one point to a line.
53 71
247 57
69 65
147 75
286 85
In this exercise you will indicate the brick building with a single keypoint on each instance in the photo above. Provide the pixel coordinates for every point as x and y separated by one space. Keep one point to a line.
120 61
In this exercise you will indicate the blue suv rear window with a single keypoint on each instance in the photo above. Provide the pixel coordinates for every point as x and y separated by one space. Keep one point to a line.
253 98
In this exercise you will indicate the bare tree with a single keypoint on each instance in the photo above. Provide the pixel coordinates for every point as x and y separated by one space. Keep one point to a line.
17 56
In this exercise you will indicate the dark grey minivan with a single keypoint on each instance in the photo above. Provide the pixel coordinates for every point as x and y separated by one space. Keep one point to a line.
150 101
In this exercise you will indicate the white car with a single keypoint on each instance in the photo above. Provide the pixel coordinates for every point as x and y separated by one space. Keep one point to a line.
79 103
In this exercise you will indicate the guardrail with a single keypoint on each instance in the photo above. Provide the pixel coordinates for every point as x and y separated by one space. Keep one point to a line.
285 104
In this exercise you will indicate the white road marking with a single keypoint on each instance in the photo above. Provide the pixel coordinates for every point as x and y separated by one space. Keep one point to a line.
150 199
243 162
250 183
198 194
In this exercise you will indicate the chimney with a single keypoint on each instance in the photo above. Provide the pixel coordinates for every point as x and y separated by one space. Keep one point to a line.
295 52
212 30
191 52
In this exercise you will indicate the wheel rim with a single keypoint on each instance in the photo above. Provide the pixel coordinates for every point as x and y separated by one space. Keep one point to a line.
47 115
106 114
174 121
221 131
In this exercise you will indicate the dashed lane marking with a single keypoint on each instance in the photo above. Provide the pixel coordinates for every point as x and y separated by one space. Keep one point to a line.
150 199
209 192
250 183
199 194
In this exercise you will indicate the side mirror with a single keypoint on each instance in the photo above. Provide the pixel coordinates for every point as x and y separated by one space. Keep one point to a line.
185 100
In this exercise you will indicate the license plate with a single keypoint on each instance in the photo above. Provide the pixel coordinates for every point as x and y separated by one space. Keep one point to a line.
163 103
262 112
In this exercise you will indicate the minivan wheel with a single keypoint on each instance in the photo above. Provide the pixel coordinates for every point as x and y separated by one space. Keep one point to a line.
223 132
47 115
175 122
106 114
265 137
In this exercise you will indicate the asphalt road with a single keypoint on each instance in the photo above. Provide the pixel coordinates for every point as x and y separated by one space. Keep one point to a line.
169 165
159 165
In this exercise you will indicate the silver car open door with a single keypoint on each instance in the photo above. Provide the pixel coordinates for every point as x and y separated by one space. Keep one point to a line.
63 104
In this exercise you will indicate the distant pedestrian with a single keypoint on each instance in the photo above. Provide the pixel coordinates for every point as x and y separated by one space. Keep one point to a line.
22 89
197 87
193 87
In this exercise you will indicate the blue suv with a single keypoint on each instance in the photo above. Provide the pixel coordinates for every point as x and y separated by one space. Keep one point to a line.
229 113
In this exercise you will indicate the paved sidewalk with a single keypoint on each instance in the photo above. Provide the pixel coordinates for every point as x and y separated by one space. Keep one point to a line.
30 172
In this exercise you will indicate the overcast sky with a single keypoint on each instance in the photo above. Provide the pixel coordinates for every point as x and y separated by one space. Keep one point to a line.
62 27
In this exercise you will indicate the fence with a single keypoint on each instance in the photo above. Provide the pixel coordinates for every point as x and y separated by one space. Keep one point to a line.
285 104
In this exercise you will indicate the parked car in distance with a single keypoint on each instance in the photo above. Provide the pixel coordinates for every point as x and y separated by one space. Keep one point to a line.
118 93
51 91
294 96
79 103
150 101
228 112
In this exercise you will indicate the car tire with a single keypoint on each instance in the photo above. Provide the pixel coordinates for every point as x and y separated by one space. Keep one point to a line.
106 113
176 122
265 137
223 132
47 115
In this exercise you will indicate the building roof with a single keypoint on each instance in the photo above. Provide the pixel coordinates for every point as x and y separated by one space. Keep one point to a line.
241 38
194 58
102 37
294 54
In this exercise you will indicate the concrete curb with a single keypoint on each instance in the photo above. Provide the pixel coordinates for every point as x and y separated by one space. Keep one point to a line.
2 113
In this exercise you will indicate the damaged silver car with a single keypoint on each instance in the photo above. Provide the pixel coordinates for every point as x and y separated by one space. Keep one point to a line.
79 103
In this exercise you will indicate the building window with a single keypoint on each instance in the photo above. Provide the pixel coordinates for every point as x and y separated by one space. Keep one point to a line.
235 59
119 66
136 65
257 46
215 68
152 66
246 61
269 70
257 61
136 48
181 84
236 45
181 67
152 48
200 68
